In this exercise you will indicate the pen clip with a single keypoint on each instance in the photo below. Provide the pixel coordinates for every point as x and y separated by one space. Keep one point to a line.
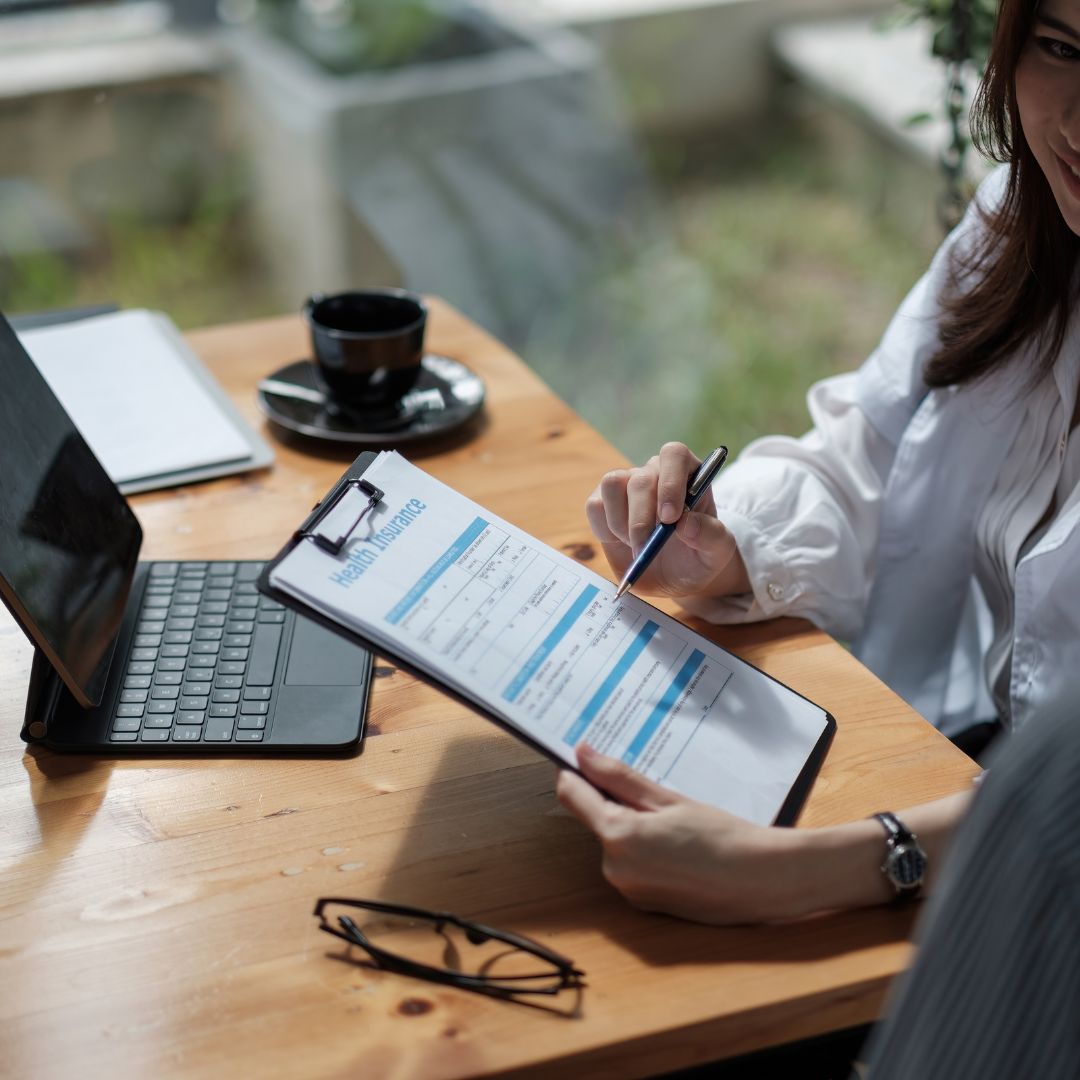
705 472
333 546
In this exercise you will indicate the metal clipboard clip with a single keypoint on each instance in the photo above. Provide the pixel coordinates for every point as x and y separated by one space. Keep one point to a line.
328 544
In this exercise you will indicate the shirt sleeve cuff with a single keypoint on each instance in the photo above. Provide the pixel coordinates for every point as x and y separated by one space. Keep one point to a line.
775 587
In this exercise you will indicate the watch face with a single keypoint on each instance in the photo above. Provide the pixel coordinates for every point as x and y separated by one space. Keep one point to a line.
906 866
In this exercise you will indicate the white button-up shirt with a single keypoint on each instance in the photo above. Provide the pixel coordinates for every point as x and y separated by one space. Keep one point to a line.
934 529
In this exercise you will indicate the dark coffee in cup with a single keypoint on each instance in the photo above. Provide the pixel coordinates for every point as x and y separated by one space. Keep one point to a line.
367 344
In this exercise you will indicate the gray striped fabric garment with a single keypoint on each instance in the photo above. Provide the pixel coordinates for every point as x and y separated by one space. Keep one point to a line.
995 990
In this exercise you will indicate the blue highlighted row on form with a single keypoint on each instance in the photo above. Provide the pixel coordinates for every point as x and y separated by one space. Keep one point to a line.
545 648
664 706
607 687
435 571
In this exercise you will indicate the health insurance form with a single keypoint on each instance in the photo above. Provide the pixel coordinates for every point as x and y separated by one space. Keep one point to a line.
540 642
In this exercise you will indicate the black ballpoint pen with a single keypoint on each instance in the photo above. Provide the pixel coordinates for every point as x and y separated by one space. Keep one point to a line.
699 483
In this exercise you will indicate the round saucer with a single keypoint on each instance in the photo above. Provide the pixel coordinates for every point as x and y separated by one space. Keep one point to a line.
446 395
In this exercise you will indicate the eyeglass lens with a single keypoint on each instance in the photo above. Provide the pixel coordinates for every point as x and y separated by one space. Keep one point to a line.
449 948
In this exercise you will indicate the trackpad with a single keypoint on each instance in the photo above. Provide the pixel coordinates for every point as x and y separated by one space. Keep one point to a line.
319 657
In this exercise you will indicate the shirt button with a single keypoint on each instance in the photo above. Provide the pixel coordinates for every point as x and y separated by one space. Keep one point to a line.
776 592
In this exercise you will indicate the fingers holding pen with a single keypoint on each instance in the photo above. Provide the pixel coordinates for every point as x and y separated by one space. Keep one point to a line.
640 499
676 463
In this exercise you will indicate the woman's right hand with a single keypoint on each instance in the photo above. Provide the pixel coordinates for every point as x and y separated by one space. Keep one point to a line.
700 559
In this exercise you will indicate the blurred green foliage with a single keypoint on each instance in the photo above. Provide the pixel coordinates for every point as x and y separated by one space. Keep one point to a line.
764 275
201 270
350 36
962 29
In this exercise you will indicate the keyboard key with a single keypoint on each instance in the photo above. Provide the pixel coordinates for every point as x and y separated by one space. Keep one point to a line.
203 625
264 652
194 565
218 730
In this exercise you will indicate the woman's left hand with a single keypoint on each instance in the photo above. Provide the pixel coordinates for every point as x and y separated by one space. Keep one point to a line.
667 853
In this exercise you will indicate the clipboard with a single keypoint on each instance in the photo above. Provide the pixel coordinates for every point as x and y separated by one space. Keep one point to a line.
332 540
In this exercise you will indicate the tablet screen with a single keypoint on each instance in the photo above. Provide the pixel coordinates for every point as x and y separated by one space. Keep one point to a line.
68 540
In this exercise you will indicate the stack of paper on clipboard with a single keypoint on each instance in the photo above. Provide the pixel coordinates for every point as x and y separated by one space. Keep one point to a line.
538 643
149 409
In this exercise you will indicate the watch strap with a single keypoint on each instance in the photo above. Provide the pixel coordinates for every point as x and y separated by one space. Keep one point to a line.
894 827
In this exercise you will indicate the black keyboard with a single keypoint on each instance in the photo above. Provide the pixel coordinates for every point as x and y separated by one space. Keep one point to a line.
201 664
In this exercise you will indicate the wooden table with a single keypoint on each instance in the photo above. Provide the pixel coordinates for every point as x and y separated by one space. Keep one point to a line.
155 915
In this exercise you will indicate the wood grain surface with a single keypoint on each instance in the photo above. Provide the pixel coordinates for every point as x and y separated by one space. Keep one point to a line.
155 915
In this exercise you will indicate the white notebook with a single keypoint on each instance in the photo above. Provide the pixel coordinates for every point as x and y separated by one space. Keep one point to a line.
149 409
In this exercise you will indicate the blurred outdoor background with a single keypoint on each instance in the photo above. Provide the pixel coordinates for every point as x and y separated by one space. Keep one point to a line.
678 212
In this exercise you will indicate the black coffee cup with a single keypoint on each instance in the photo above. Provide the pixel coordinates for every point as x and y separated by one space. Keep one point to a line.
367 344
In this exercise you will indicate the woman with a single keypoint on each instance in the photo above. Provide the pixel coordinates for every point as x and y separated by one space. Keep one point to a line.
930 516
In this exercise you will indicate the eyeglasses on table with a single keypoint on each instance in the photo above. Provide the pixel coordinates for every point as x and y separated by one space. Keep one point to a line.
442 948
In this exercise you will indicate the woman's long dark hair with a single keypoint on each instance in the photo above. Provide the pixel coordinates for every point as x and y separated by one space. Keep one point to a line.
1017 286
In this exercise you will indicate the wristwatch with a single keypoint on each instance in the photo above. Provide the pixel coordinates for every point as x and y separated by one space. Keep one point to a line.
905 862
